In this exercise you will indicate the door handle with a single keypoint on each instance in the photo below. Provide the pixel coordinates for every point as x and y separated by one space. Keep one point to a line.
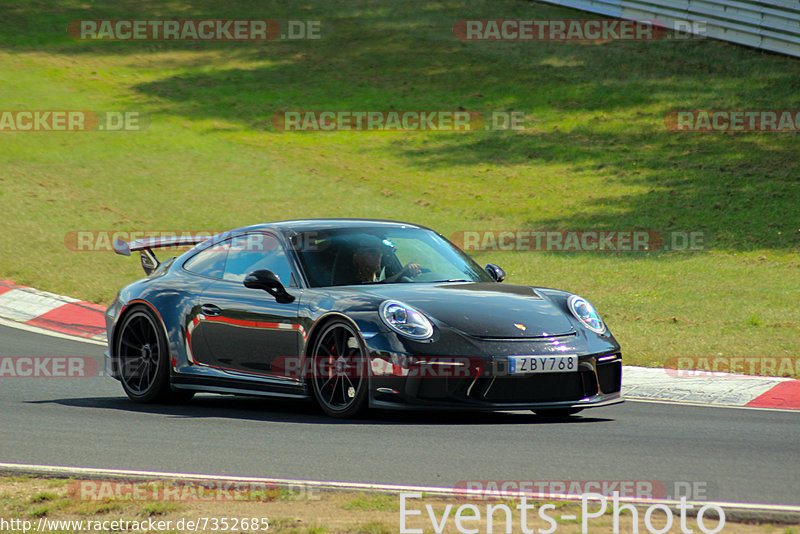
209 310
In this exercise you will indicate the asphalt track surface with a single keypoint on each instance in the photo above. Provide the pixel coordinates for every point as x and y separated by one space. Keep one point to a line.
735 455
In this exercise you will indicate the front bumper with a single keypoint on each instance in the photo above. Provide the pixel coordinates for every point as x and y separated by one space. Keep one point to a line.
597 382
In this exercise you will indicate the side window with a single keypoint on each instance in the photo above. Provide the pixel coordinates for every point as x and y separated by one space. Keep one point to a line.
256 251
210 262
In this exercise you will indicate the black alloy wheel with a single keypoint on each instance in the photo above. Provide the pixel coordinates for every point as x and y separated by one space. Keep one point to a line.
144 360
339 377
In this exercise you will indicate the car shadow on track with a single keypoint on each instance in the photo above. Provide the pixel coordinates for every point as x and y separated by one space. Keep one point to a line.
306 412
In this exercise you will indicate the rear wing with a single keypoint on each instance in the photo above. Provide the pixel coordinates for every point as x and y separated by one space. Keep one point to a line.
145 247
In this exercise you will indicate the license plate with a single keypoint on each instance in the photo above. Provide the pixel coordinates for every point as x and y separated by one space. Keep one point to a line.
542 364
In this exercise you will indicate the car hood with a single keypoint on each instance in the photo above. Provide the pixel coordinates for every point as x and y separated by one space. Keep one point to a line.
487 309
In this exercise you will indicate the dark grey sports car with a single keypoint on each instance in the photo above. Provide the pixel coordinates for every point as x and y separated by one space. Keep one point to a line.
354 313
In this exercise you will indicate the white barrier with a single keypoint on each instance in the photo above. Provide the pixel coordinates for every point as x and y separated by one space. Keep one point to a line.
772 25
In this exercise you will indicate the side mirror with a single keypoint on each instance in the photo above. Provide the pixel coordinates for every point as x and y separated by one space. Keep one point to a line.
497 274
269 282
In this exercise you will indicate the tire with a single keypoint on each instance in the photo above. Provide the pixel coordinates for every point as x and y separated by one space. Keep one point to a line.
339 378
144 360
560 412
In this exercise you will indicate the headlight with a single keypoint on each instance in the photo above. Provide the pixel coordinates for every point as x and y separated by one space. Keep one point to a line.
586 314
405 320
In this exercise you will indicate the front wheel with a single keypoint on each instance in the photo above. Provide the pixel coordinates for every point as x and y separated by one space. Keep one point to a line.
143 360
339 379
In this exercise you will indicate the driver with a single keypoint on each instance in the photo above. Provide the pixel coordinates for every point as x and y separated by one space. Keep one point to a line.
367 261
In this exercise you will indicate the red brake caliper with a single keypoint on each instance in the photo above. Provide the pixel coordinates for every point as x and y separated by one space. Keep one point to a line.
331 364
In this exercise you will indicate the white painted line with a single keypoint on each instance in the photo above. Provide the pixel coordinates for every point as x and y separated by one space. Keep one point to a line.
706 405
47 294
361 486
23 305
657 373
45 332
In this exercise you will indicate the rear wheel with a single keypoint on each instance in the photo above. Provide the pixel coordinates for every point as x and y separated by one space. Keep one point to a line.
339 378
144 360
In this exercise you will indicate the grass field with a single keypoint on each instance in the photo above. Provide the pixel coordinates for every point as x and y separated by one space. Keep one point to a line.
30 501
594 154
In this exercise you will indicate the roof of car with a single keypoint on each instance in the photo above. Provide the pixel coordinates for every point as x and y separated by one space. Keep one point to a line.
305 225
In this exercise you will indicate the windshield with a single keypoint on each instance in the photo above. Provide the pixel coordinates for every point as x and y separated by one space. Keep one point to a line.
381 256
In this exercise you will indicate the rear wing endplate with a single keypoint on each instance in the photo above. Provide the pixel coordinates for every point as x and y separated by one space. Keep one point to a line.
146 246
